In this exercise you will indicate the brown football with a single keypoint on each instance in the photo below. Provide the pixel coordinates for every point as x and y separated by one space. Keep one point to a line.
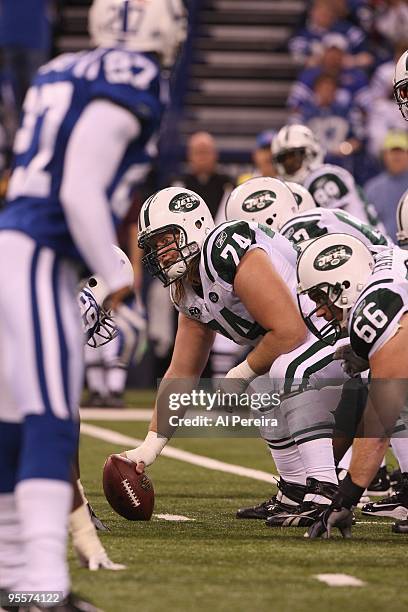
130 494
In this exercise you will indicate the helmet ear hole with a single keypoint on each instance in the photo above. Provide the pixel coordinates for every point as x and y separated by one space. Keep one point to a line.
269 221
346 284
92 282
198 224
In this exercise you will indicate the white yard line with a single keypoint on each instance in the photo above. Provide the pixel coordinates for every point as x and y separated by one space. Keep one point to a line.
336 580
173 517
114 437
374 522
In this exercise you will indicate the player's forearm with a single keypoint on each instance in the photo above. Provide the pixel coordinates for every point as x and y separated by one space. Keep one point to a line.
272 345
166 413
94 151
93 242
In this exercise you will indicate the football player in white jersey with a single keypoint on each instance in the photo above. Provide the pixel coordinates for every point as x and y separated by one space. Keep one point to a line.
263 200
298 156
396 505
215 275
89 124
364 291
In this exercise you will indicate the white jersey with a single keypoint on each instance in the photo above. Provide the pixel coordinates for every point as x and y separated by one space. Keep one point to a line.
375 317
317 222
218 306
334 187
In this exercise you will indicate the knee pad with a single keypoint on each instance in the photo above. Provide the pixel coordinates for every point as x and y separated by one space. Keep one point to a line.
48 449
308 416
10 447
275 435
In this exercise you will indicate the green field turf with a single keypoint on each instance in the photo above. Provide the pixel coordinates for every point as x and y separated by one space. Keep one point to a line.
218 563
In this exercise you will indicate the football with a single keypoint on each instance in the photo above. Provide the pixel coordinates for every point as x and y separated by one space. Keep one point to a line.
130 494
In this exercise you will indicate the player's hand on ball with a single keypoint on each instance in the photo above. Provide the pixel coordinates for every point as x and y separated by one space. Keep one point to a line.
341 518
145 454
139 463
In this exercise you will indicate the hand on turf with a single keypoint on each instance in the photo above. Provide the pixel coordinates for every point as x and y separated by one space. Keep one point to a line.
332 517
86 543
101 561
352 364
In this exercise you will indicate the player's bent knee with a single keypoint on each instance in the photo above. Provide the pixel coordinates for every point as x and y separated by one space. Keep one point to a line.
48 448
10 445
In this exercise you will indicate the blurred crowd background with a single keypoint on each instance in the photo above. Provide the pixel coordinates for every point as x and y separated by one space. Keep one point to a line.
248 67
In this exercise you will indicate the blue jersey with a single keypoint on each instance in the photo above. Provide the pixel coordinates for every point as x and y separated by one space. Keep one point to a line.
59 94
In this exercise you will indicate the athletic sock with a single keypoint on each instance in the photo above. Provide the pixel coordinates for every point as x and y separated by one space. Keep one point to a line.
400 449
43 507
11 546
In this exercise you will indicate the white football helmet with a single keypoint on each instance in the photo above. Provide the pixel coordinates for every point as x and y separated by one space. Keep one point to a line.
296 152
262 199
157 26
333 270
401 84
303 197
402 221
105 329
181 213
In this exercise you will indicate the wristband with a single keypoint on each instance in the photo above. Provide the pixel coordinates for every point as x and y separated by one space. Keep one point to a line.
242 370
80 520
153 444
348 494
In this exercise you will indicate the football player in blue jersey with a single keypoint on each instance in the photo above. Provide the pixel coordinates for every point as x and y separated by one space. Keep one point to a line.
87 134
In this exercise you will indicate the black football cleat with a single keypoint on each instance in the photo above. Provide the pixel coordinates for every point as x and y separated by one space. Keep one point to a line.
394 506
99 525
400 527
114 400
289 496
95 400
261 511
303 516
381 484
308 511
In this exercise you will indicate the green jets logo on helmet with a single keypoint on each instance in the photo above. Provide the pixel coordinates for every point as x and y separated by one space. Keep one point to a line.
259 200
184 202
332 257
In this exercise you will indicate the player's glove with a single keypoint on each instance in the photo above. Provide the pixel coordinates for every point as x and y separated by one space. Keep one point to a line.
339 514
88 547
330 518
147 452
352 364
235 382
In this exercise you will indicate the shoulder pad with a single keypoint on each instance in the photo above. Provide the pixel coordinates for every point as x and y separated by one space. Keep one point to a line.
224 248
371 318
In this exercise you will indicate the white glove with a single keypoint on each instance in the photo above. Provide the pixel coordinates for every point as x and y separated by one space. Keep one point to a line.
88 547
148 451
236 381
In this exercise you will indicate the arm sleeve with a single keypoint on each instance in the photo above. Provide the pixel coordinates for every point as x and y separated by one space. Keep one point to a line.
95 149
